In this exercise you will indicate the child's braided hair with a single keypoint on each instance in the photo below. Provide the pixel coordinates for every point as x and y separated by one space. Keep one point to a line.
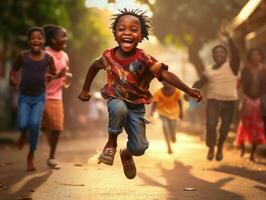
145 23
50 31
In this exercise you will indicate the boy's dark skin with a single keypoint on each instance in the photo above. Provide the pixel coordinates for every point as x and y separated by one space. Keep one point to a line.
58 43
36 42
128 35
219 55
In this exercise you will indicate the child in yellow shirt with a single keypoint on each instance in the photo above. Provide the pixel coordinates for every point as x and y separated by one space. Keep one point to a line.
167 102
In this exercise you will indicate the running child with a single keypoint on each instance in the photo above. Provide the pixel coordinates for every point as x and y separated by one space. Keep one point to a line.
53 115
36 67
129 73
167 102
251 127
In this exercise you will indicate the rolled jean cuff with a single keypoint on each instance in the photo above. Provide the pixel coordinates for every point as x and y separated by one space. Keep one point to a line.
114 132
137 151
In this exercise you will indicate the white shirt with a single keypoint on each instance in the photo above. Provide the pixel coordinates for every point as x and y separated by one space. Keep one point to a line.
222 83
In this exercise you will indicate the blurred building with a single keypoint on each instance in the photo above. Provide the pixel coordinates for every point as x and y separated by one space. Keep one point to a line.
249 26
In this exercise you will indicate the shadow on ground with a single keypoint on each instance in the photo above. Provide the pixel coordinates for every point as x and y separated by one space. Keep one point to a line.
180 177
256 175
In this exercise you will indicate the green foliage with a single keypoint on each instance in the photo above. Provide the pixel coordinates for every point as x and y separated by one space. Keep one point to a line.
190 20
18 16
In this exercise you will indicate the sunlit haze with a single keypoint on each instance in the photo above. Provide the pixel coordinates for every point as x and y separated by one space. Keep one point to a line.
119 4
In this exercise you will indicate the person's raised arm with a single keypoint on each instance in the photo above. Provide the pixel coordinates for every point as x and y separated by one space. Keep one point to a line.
234 59
13 76
92 72
200 83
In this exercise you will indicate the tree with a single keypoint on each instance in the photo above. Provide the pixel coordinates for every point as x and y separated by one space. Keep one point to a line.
192 23
87 36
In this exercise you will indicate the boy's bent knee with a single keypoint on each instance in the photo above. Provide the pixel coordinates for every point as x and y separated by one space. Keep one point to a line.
138 150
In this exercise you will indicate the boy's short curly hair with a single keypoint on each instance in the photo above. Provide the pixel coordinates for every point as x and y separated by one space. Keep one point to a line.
33 29
145 23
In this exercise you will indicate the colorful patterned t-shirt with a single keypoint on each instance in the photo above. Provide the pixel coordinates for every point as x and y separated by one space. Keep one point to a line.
129 79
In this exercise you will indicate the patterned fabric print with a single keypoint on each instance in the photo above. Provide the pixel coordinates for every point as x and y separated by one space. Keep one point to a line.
129 79
251 128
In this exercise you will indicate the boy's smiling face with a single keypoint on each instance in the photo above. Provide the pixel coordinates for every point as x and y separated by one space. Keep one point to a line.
36 41
128 33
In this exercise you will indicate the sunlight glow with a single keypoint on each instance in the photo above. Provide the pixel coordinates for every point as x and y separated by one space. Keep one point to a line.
248 9
119 4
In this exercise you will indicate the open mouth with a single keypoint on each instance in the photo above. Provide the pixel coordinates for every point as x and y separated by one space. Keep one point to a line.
36 45
127 42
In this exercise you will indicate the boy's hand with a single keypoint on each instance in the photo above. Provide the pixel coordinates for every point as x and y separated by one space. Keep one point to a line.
62 73
13 81
195 93
49 77
68 79
84 95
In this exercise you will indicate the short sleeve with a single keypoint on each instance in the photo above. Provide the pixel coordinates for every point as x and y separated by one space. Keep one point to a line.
178 95
156 96
157 68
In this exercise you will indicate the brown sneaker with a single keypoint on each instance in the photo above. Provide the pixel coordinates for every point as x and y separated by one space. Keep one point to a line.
107 156
129 167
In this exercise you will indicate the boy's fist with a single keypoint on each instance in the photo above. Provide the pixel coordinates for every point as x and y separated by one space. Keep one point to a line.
195 93
84 95
13 81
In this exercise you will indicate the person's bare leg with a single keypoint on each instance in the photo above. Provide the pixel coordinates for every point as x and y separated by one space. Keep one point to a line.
112 141
22 140
243 149
30 161
253 150
54 138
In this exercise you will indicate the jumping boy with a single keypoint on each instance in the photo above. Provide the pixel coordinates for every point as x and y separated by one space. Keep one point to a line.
129 73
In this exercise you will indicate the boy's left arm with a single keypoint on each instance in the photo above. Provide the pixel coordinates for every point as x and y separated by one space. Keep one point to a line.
172 79
181 109
51 70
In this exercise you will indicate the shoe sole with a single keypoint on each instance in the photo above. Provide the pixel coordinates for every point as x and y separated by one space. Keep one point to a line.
129 177
105 161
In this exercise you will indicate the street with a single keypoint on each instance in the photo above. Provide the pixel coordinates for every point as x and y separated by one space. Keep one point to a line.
184 175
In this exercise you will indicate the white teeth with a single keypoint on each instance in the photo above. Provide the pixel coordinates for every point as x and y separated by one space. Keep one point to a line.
127 40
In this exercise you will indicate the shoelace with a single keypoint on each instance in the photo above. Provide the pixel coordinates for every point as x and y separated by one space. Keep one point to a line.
109 151
130 164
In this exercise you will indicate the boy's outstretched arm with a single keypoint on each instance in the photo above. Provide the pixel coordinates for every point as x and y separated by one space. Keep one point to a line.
13 76
93 70
172 79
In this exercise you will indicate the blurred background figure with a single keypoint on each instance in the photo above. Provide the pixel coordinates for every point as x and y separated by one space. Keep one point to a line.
53 115
221 80
167 102
251 128
96 115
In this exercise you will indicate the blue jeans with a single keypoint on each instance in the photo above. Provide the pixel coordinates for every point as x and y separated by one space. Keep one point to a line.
218 109
131 118
30 109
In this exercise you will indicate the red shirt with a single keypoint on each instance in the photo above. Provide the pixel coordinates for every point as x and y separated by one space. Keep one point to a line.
129 79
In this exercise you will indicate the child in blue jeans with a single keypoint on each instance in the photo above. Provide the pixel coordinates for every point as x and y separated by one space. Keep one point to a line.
36 67
129 73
